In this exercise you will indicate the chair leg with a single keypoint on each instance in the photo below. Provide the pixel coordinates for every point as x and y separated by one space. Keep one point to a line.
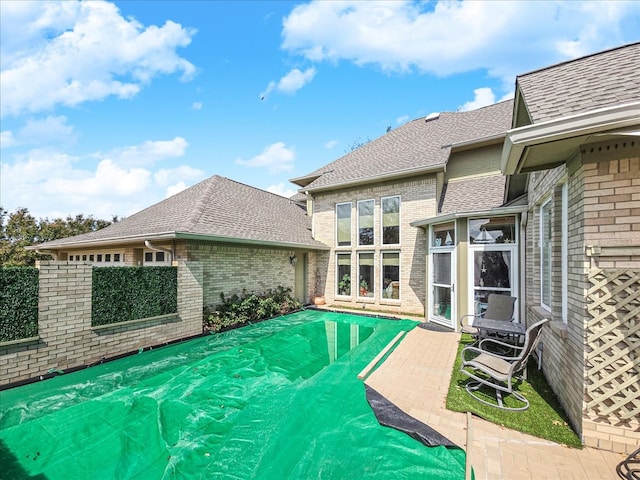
471 388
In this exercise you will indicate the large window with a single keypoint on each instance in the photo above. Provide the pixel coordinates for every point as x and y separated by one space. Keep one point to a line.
485 231
391 220
545 254
391 275
365 222
343 224
343 276
366 278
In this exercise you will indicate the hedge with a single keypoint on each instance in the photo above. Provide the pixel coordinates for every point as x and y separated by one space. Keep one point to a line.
18 303
130 293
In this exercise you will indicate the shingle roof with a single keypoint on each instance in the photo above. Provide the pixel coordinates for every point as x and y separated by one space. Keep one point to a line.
216 207
588 83
478 193
419 144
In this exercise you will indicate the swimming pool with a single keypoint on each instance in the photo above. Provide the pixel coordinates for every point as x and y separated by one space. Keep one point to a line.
276 400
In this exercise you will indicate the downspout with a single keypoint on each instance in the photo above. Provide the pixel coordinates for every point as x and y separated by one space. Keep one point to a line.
150 246
523 266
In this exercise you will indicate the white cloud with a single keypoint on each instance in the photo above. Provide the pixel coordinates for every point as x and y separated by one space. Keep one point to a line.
444 38
402 120
482 97
149 152
291 82
48 130
53 184
176 188
282 190
67 53
7 139
275 158
196 105
330 144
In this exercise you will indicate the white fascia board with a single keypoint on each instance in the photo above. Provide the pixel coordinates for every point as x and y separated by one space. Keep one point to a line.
589 123
498 211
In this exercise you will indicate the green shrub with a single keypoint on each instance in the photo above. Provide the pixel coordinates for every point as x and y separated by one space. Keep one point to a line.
18 303
250 307
129 293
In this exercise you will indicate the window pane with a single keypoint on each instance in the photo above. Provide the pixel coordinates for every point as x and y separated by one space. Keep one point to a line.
99 257
391 275
391 220
442 302
107 257
442 268
444 235
148 256
116 257
545 253
492 269
365 222
344 274
492 230
343 215
159 256
365 275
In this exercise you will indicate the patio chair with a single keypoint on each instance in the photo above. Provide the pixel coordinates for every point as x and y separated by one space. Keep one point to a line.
499 307
499 372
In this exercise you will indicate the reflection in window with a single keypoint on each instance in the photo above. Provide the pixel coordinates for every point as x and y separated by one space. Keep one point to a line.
391 220
492 269
391 275
365 222
365 275
344 274
492 230
444 235
343 220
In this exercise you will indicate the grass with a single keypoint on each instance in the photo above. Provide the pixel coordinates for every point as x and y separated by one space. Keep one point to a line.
544 418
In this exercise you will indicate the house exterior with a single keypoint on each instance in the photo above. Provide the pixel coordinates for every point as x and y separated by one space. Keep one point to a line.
365 206
245 238
537 198
576 136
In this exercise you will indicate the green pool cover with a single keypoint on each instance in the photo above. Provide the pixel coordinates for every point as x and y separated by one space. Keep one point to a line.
276 400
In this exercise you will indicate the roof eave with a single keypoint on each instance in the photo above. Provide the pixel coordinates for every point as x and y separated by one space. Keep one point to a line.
104 241
521 143
510 210
377 178
248 241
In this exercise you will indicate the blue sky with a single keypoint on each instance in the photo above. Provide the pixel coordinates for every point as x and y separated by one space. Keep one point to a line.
109 107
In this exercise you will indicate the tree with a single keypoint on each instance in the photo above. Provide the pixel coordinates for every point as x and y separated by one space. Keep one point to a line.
20 229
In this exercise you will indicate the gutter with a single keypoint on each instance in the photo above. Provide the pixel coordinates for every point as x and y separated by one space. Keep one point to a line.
600 121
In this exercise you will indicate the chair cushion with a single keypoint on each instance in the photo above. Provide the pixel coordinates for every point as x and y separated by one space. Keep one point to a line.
494 366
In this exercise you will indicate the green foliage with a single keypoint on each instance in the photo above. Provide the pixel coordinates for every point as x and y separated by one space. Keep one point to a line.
544 418
21 229
129 293
18 303
250 307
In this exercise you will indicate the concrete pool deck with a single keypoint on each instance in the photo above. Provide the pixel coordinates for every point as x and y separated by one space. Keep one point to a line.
416 378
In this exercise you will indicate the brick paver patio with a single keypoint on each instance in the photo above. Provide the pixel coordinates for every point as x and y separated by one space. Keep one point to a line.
416 378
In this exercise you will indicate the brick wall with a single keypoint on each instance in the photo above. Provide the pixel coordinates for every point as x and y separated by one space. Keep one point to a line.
66 338
603 184
230 269
418 201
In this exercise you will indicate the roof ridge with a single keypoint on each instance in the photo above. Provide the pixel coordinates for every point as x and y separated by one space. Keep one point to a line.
565 62
199 207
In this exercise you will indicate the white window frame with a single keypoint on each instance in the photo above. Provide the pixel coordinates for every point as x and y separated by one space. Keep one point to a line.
565 253
382 220
373 276
545 282
338 255
382 289
373 218
350 224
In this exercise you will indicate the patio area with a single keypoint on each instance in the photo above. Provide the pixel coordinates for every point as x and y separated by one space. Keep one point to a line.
416 378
